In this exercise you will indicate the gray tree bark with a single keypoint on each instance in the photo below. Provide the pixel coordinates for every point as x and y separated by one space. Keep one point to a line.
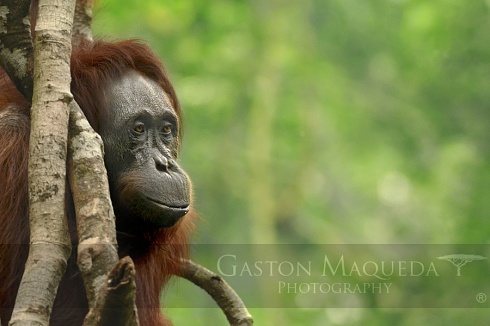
16 44
50 244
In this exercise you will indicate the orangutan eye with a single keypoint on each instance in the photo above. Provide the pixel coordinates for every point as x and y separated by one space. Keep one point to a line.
167 130
139 128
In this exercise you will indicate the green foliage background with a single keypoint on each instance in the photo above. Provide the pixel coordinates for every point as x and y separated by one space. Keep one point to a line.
323 121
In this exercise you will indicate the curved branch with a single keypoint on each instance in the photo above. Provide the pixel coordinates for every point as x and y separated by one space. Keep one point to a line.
226 298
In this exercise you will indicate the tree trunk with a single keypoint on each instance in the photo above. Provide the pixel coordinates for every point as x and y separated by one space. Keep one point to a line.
50 244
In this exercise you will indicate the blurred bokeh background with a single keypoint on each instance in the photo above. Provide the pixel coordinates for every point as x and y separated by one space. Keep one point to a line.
327 121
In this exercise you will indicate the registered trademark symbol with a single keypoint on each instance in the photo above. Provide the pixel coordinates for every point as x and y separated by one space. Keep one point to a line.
481 297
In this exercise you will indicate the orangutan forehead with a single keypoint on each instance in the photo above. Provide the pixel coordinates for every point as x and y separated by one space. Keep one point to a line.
136 91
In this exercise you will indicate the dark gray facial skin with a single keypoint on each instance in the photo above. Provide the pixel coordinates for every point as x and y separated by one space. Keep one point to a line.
148 188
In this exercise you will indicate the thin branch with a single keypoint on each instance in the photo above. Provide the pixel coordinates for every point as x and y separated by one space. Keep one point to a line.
97 249
16 50
226 298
